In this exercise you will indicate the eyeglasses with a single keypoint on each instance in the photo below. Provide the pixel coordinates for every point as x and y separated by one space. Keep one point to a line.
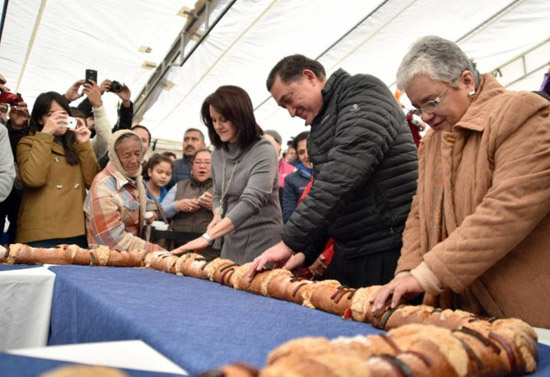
431 106
198 163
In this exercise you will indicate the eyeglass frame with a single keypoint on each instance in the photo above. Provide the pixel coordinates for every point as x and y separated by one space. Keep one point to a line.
435 102
199 163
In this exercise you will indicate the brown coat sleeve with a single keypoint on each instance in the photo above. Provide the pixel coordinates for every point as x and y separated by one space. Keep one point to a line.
33 158
518 139
88 162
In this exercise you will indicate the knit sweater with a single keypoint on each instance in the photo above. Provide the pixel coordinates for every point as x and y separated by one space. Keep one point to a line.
252 198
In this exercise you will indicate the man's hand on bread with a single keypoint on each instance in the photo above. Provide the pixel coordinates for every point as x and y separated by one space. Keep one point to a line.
280 254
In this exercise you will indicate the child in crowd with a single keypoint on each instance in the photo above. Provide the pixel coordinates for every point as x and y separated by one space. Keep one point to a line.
159 173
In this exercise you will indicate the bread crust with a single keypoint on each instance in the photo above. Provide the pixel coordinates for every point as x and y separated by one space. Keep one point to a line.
361 308
239 279
276 287
194 266
161 261
330 297
215 265
449 357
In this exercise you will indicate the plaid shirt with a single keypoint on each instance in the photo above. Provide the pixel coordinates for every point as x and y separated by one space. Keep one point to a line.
112 213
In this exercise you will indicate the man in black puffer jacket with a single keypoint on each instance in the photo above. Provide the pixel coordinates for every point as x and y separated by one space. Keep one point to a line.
364 169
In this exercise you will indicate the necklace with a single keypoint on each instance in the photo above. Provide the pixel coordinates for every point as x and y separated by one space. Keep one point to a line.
221 212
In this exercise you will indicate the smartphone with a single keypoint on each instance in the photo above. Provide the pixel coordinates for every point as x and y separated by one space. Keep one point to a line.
71 123
91 74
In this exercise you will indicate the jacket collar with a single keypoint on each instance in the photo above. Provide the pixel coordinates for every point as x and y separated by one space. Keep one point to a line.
328 90
120 179
57 146
475 118
303 171
198 184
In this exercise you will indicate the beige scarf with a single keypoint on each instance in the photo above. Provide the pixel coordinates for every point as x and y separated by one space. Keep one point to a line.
113 157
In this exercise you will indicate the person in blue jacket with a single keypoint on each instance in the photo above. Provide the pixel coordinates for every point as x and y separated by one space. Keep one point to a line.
296 182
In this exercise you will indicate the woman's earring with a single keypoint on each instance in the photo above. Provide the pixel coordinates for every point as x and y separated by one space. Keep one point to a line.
472 93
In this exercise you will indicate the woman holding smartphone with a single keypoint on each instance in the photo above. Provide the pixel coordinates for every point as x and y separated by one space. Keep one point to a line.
56 163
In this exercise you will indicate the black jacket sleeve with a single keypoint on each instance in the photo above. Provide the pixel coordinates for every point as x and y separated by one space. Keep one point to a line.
126 114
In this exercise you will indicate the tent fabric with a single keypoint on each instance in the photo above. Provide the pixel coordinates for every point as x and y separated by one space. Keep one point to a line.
47 45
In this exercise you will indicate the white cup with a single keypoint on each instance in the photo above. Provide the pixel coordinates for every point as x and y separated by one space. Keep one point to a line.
159 225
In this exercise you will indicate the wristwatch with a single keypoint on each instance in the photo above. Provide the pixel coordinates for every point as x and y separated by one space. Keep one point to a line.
208 238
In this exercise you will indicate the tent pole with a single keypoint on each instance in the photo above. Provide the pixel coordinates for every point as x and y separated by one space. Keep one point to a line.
4 12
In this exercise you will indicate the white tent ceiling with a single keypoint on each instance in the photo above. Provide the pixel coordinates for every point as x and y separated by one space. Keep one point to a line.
47 45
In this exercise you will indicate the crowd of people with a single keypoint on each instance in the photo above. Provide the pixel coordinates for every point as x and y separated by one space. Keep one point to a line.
462 222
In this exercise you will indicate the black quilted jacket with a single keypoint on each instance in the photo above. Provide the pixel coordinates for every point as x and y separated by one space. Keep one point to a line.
365 171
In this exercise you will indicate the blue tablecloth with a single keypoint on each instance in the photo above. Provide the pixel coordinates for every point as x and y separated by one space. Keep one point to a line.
10 267
21 366
198 324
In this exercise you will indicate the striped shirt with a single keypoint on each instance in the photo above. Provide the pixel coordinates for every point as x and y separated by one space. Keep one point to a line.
112 212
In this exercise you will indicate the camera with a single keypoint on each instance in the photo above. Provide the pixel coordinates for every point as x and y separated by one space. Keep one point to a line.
10 98
115 87
71 123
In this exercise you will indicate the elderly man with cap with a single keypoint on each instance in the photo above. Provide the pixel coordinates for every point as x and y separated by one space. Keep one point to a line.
193 141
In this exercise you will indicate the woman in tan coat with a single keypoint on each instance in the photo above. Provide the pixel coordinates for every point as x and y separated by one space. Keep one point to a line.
57 163
478 235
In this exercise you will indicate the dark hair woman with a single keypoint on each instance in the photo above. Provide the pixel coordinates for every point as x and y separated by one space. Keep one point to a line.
57 163
247 213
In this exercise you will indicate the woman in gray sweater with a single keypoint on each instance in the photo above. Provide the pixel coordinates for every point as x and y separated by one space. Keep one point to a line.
247 215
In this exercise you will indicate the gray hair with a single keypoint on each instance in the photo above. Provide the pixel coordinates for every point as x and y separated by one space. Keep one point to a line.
439 58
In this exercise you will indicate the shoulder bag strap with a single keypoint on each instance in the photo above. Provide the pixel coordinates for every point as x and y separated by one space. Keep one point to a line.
161 211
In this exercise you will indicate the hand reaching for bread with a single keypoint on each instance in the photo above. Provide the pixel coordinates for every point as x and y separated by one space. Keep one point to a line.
196 244
318 268
278 254
406 287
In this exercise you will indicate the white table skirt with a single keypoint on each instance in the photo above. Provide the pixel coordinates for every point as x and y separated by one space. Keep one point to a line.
129 354
25 302
544 335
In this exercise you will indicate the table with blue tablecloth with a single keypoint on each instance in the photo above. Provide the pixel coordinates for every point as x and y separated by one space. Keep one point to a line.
197 324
